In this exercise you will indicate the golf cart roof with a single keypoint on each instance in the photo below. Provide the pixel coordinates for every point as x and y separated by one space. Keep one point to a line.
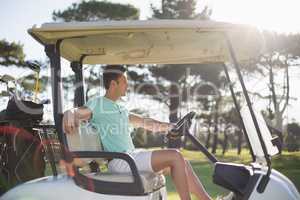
150 41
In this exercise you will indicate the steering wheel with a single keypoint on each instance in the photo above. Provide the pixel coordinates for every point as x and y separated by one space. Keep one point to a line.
182 126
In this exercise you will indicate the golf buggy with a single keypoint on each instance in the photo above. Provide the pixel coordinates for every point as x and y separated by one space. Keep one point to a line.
148 42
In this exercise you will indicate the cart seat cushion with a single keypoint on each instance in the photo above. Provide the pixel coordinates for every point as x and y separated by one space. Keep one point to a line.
151 181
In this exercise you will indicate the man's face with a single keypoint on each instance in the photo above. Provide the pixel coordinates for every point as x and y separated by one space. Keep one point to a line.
121 85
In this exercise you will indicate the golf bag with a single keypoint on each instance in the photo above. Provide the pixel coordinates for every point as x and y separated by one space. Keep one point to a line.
21 152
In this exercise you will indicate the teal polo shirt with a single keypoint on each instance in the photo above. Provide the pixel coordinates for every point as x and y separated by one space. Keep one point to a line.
112 122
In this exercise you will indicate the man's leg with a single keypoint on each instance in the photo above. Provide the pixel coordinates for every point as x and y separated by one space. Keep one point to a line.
162 159
184 178
195 185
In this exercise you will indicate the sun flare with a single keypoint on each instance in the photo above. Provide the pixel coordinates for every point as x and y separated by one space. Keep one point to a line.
279 15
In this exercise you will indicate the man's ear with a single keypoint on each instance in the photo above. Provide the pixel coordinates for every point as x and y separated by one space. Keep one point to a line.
113 83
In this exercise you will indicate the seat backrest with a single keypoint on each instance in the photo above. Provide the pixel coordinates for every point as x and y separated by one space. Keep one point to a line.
86 139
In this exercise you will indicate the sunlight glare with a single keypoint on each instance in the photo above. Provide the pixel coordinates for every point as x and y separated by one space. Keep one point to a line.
279 15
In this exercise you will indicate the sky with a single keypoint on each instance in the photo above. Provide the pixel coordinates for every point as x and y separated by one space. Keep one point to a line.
17 16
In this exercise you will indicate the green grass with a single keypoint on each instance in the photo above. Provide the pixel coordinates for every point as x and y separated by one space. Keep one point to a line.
287 163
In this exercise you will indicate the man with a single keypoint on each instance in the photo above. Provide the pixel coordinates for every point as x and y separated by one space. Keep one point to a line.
112 122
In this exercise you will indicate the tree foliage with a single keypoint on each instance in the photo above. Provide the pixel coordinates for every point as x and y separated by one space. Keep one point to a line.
180 9
11 53
175 9
293 137
96 10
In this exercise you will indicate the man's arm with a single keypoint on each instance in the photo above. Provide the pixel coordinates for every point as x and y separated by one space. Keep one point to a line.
149 123
71 121
73 117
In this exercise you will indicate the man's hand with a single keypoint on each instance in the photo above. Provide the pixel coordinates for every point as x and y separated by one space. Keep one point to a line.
73 117
67 167
70 122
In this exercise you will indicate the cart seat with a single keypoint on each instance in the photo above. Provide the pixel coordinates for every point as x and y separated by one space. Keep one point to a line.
151 181
87 139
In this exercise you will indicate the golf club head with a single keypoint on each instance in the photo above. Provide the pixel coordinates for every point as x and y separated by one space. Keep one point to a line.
6 78
2 80
45 101
34 65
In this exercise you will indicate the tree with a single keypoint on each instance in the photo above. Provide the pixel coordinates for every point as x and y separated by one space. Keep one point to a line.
282 51
233 122
293 137
175 9
211 100
11 53
96 10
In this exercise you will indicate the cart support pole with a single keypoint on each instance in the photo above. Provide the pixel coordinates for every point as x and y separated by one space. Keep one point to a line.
79 98
53 53
264 181
238 109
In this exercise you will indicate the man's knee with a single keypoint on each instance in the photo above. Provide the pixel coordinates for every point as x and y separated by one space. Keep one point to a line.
177 156
170 157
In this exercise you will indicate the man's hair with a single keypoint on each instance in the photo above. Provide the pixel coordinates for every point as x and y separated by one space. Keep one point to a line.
112 72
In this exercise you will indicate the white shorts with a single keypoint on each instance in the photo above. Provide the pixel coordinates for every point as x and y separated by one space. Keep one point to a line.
142 160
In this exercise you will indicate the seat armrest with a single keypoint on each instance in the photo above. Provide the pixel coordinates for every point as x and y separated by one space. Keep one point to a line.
106 187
